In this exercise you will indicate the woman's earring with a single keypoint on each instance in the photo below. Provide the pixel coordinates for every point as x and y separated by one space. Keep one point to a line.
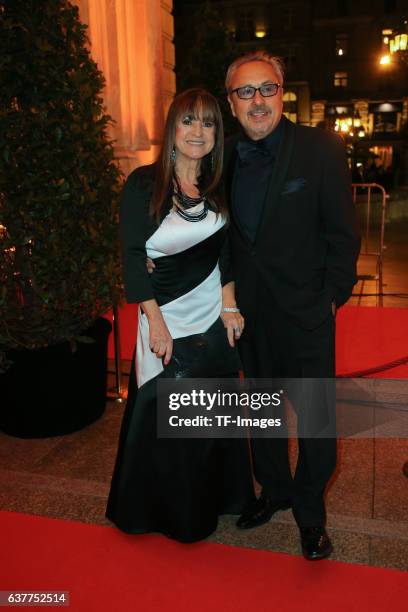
212 162
173 155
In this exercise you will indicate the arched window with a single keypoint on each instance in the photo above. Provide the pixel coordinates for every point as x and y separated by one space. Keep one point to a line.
289 96
290 105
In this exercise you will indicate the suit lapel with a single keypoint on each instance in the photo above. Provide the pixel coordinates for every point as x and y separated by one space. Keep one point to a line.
277 179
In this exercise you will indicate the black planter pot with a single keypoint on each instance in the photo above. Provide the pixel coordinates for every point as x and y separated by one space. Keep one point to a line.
53 391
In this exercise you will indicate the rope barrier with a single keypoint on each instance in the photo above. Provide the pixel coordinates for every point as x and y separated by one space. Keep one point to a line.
380 368
399 295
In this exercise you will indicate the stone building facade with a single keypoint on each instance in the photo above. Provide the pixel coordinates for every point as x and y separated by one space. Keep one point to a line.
132 43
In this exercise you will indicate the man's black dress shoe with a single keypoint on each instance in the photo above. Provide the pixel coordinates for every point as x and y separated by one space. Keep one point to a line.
261 512
315 543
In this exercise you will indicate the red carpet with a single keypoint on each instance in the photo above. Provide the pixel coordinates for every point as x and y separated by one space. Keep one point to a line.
127 331
366 337
369 336
105 570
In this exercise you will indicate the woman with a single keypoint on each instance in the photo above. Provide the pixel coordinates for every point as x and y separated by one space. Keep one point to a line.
173 212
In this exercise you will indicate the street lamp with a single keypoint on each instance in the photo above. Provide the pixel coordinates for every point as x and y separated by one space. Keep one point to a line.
385 60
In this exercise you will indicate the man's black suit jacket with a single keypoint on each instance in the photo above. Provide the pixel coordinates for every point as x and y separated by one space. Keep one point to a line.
306 248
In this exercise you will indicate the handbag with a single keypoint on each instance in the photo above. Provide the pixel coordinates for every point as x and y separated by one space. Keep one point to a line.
205 355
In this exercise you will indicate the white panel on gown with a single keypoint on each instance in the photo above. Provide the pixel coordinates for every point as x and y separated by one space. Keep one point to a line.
195 311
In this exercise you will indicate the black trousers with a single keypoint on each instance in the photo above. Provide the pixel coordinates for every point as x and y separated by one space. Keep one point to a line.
273 346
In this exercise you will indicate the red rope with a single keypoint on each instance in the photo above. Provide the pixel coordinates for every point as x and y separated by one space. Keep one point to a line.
380 368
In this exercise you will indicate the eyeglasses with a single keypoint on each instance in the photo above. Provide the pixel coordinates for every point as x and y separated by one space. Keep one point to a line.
248 91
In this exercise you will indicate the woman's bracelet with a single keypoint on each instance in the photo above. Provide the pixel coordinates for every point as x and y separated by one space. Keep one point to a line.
226 309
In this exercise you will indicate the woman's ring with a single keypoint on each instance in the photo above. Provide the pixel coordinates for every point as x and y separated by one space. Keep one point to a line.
237 330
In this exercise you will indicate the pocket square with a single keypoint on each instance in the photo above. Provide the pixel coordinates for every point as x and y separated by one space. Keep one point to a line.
293 185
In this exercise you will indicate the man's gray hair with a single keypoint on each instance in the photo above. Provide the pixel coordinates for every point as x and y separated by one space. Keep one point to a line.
255 56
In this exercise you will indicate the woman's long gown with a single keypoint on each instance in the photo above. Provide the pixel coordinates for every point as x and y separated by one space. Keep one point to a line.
178 487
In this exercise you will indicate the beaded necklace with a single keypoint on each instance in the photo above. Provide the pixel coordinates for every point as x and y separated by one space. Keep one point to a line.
183 202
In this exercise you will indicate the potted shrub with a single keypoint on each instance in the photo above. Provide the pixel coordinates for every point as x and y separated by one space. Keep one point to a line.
59 268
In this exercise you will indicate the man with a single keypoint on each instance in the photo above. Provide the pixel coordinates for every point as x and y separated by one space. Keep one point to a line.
294 246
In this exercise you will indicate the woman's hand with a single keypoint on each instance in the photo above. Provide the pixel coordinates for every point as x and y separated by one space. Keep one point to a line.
160 340
150 265
234 323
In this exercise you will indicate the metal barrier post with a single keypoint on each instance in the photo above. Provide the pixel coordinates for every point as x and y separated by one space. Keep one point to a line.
117 393
378 254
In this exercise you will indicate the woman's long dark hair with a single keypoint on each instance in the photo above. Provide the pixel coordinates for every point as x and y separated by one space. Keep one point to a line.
198 104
